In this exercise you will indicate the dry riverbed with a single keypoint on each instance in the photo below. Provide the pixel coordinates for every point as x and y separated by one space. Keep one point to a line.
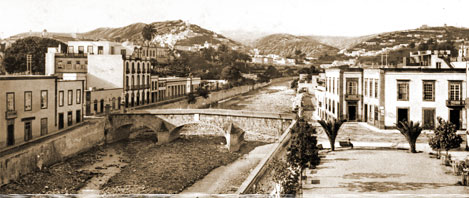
132 167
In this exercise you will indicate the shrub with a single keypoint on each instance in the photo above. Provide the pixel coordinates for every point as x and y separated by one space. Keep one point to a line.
445 137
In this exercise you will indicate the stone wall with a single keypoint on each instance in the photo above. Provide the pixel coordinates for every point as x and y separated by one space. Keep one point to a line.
259 178
49 150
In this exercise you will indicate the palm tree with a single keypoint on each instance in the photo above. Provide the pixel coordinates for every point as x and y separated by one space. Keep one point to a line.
411 132
331 127
148 32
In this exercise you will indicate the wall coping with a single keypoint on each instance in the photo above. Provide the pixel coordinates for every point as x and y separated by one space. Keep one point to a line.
222 112
260 169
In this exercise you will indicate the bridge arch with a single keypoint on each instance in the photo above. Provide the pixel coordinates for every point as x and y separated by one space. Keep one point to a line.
121 127
218 130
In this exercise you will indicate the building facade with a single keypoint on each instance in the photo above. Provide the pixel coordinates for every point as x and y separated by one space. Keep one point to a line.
384 96
35 105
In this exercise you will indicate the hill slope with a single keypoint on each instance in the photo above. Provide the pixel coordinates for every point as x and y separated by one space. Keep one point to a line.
286 44
169 32
419 35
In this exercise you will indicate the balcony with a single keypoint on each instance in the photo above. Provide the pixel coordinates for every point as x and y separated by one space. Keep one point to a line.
352 97
10 114
455 103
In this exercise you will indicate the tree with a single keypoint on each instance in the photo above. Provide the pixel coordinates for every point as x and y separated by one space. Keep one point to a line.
445 137
230 73
411 132
191 98
271 72
303 151
15 56
331 127
148 32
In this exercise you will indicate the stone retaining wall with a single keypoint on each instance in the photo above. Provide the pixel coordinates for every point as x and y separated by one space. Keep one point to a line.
50 149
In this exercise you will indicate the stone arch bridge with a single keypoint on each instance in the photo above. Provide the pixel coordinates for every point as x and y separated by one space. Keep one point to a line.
167 123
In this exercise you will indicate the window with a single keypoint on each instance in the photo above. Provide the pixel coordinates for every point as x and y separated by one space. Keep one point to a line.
90 49
28 132
70 97
455 90
365 87
123 52
112 49
60 64
376 88
438 65
95 106
77 62
43 126
70 49
370 88
44 99
429 90
69 118
78 96
61 98
81 49
10 101
403 90
352 86
100 50
27 101
428 118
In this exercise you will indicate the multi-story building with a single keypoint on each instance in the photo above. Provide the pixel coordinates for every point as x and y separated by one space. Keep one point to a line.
36 106
137 81
384 96
155 52
70 102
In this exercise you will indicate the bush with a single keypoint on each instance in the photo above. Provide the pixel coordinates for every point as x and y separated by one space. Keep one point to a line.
286 177
445 137
191 98
204 92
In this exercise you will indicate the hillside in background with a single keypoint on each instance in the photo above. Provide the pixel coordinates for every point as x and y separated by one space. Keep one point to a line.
341 42
172 33
416 36
286 44
247 38
175 32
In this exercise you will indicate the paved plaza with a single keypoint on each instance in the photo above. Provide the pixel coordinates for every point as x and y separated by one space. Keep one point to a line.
380 171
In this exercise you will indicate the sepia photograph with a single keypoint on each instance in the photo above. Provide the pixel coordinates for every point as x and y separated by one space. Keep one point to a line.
234 98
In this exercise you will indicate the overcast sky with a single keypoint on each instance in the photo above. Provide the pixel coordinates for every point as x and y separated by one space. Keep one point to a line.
302 17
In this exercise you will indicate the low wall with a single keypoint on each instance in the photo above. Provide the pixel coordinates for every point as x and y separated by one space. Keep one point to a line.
50 149
251 184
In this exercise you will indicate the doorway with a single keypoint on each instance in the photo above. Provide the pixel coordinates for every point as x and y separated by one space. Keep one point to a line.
366 113
352 112
61 120
10 134
402 114
454 117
